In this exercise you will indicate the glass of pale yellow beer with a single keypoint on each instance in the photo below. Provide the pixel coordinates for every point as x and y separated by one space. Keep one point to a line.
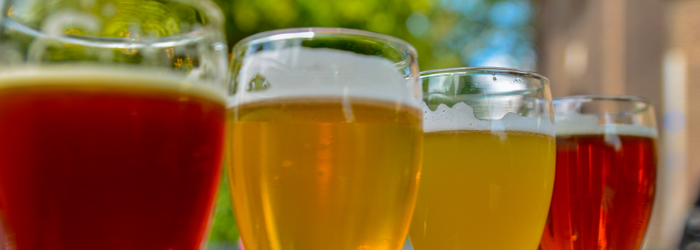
488 164
325 136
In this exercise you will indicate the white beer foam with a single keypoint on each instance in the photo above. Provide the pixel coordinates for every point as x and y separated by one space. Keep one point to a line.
461 117
579 124
320 72
131 77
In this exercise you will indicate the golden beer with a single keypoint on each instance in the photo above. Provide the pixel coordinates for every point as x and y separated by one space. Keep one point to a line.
323 173
483 190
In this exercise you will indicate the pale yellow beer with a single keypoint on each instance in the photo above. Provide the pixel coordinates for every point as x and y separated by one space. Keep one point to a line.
483 190
324 173
489 160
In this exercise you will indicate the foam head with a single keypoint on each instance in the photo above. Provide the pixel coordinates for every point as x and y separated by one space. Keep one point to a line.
461 117
574 123
99 75
319 72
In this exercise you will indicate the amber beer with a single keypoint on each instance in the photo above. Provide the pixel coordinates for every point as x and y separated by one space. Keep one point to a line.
482 188
311 179
104 159
604 188
324 140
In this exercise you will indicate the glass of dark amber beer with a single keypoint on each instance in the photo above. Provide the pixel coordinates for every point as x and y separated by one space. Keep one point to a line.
606 173
325 139
112 123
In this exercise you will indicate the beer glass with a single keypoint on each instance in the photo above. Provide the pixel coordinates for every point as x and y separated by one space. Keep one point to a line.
488 165
606 173
325 139
112 122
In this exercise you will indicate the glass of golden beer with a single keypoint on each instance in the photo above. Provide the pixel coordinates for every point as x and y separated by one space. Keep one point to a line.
112 118
324 141
488 164
606 173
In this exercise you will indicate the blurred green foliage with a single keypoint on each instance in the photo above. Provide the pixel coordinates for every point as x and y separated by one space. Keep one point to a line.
247 17
224 230
446 33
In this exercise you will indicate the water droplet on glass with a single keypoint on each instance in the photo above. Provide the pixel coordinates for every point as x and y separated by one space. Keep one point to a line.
220 46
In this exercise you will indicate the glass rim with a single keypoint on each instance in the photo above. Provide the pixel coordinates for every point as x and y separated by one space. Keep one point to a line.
311 32
207 7
544 81
646 103
590 98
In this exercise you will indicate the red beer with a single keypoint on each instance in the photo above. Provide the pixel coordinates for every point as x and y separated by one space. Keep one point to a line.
603 192
107 163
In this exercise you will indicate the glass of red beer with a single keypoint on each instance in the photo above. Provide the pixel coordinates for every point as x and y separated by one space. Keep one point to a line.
111 123
605 173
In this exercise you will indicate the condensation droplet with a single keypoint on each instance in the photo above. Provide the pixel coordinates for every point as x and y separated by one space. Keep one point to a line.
220 46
